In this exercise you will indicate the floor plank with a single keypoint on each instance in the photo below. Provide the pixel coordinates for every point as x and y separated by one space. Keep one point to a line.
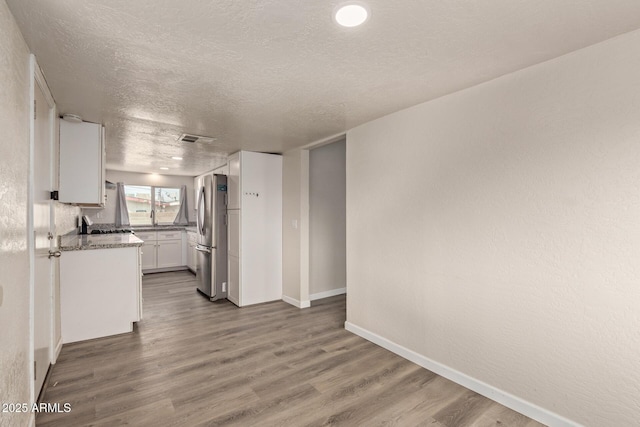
191 362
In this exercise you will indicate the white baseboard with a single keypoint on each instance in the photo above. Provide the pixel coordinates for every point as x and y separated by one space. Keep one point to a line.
327 294
295 302
510 401
57 351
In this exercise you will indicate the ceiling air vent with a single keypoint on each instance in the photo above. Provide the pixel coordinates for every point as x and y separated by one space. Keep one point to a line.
185 137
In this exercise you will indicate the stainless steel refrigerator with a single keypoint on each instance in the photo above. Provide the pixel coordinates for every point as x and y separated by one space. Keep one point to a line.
211 272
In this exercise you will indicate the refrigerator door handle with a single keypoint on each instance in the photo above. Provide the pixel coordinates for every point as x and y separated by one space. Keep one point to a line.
200 216
201 249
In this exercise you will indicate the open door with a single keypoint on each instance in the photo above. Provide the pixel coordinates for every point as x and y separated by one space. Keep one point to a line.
41 219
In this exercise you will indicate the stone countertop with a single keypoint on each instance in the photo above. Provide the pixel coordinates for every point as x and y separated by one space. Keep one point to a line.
168 227
191 229
80 242
159 228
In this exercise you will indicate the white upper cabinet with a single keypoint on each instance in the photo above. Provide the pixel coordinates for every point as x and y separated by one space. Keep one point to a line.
82 167
222 170
233 181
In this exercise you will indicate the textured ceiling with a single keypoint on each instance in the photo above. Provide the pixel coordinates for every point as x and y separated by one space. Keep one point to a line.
269 75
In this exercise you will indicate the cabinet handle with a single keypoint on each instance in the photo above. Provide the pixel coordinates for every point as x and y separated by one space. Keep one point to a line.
54 254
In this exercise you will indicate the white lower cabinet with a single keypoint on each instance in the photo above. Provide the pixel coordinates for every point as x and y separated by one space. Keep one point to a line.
192 253
162 250
149 254
96 298
169 253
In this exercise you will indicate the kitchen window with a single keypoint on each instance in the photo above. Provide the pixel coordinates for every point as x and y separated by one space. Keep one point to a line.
149 205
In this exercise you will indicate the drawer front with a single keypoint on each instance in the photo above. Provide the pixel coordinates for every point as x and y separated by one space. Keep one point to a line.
170 235
146 235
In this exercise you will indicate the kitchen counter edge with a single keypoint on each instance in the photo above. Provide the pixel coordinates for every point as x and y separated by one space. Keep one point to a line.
83 242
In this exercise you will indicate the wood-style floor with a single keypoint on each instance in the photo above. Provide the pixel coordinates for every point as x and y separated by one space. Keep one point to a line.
191 362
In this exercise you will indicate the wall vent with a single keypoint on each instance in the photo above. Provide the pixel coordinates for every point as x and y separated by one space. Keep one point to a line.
185 137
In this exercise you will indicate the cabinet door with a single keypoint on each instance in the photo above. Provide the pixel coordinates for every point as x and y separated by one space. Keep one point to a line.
190 256
234 280
139 284
149 255
233 233
233 182
169 253
193 254
81 163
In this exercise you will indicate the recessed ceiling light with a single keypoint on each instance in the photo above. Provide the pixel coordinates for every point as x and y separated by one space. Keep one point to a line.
164 169
351 14
176 158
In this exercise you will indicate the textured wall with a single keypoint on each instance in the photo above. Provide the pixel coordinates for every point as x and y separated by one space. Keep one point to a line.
14 258
327 218
508 222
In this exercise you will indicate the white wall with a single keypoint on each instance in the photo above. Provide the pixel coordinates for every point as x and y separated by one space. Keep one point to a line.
295 230
497 231
327 220
14 257
108 213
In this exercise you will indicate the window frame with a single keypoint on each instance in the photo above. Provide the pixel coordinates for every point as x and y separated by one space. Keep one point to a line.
153 221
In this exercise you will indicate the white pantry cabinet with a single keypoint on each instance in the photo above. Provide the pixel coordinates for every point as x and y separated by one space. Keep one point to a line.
82 164
254 209
233 181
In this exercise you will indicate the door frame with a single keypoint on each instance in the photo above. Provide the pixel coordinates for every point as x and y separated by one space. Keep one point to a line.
36 77
305 243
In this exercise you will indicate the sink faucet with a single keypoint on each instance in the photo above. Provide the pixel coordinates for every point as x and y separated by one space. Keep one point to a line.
153 217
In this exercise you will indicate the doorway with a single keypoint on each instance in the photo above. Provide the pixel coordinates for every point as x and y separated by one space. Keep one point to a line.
327 221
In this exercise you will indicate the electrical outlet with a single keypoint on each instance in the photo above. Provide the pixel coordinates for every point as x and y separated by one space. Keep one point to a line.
224 286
